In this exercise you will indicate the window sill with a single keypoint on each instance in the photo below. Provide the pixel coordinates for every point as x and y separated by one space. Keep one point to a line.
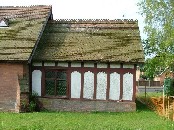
55 97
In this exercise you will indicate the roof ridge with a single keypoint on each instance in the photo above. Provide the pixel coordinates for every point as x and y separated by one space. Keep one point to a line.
24 6
94 21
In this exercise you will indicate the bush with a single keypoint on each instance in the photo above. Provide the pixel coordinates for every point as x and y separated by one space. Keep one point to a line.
169 86
32 105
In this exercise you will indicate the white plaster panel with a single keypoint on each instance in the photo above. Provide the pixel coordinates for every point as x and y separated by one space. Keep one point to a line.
36 81
114 65
76 64
88 90
75 84
49 63
102 65
128 66
63 64
37 63
127 86
101 85
88 64
114 93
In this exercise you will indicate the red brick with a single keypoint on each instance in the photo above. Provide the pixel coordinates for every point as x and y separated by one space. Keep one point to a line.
83 106
9 85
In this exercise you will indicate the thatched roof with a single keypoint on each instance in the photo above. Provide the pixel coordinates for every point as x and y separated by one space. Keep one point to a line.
25 25
91 40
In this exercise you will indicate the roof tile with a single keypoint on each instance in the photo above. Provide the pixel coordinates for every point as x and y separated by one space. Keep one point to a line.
25 25
91 40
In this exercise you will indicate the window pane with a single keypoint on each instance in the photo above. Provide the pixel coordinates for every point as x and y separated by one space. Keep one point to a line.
50 87
61 88
50 74
61 75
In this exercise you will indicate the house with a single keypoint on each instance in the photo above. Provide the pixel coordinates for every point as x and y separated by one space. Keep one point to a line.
73 65
165 73
18 42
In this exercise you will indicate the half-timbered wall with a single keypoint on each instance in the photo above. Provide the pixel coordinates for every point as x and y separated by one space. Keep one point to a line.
90 81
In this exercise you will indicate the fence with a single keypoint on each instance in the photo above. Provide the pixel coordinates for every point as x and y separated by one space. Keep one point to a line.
149 88
151 93
149 83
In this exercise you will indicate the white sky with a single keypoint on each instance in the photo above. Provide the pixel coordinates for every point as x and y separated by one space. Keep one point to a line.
87 9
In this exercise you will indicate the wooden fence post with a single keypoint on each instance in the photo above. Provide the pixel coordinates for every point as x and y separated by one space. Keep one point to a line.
145 91
163 102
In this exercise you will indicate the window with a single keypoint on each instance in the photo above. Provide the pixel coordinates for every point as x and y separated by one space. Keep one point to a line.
56 83
4 22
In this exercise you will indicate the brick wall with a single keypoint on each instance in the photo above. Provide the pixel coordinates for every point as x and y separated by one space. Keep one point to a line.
77 105
24 101
9 85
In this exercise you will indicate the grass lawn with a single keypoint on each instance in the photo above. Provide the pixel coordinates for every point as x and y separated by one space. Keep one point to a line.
157 94
150 94
142 119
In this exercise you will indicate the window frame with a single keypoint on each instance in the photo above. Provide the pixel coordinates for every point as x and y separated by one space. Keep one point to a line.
56 79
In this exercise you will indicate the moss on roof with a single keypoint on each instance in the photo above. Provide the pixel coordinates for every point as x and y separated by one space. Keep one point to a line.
91 40
25 24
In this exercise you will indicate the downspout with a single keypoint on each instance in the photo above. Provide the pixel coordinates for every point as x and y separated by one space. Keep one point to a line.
30 78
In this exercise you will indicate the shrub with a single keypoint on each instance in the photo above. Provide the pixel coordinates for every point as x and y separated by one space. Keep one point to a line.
32 105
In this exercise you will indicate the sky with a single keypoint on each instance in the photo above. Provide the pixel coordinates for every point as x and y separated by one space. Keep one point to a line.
87 9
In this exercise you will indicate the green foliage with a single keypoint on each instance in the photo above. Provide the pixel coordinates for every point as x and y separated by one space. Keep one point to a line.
159 27
169 87
152 67
148 51
159 24
33 104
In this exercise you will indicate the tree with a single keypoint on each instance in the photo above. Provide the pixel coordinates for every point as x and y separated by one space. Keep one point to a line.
159 27
152 68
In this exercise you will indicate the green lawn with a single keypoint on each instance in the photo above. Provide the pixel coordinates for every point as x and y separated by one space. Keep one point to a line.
150 94
142 119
